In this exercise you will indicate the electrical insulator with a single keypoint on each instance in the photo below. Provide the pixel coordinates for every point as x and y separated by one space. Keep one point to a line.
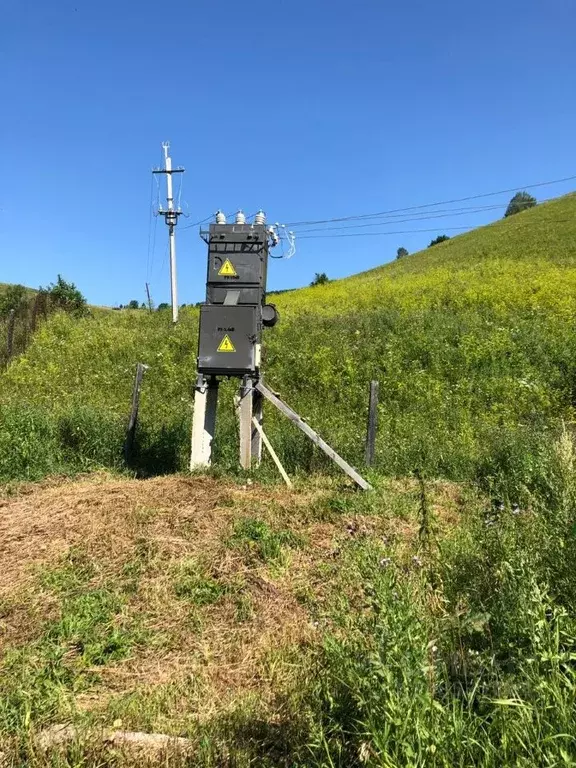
273 236
220 217
240 217
260 217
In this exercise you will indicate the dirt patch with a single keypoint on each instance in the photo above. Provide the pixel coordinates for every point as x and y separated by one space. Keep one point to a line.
104 513
139 536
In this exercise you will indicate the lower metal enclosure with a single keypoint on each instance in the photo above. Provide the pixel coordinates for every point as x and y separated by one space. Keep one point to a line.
229 339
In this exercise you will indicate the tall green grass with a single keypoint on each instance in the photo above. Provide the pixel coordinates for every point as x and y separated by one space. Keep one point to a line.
464 655
451 651
471 342
461 652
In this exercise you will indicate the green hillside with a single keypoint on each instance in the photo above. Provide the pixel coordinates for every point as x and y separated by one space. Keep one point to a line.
6 286
526 249
468 340
430 623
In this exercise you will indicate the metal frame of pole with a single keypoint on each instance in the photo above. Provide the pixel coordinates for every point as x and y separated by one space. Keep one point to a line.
171 218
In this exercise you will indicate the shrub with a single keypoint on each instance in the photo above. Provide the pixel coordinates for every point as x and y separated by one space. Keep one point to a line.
66 296
12 299
439 239
520 202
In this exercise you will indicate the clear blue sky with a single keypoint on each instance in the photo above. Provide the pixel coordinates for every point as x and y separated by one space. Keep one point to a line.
311 110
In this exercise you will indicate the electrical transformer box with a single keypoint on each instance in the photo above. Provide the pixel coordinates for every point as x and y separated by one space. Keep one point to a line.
229 339
237 262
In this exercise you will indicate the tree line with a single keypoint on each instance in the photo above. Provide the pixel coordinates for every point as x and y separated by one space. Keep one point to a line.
164 305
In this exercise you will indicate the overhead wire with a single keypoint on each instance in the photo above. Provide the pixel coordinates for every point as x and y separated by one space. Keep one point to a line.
196 223
423 216
410 231
370 234
149 227
180 185
398 215
420 217
164 262
154 243
430 205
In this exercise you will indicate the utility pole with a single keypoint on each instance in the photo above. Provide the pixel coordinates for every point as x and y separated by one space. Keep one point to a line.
171 215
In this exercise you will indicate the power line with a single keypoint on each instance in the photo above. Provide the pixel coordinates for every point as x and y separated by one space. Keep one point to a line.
430 205
163 263
153 243
149 228
446 214
420 217
196 223
438 210
440 213
370 234
469 228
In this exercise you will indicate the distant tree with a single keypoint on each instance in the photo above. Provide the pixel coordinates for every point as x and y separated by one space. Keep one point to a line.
320 278
13 298
66 296
133 304
401 252
163 306
142 306
439 239
520 202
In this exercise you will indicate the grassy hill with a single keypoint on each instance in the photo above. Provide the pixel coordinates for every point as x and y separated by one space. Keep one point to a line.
4 287
468 340
430 623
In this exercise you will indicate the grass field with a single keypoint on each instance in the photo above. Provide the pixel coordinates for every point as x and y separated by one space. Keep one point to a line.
468 340
429 623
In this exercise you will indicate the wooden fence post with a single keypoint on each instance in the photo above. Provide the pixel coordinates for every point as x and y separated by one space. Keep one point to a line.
372 423
35 310
10 335
131 431
314 436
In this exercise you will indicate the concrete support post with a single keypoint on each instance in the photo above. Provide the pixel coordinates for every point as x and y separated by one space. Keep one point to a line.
204 421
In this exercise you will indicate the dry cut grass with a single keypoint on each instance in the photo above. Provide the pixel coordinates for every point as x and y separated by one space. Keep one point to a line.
219 586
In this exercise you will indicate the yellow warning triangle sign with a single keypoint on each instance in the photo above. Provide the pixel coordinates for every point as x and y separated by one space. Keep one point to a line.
227 269
226 345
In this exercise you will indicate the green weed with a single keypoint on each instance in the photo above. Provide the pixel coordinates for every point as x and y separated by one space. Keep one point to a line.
260 542
197 586
39 680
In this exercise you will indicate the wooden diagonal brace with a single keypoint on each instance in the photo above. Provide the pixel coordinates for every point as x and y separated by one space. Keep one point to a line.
314 436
